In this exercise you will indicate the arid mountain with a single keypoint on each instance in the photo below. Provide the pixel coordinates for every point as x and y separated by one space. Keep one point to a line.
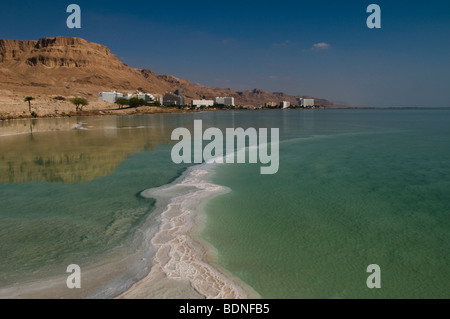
73 66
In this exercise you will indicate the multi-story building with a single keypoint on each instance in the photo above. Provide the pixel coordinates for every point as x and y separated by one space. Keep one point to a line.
306 102
227 101
113 96
173 99
110 97
271 104
202 103
149 98
285 104
159 98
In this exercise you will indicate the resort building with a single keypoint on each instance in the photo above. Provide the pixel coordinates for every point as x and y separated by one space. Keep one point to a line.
202 103
271 104
306 102
149 98
113 96
285 104
227 101
159 98
110 97
173 98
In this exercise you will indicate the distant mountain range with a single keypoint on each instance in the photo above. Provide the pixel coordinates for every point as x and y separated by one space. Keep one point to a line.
75 67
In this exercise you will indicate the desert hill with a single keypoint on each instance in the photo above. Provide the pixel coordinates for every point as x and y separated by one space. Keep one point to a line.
62 66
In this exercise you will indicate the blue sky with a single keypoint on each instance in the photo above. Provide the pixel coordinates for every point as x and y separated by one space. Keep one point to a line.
319 48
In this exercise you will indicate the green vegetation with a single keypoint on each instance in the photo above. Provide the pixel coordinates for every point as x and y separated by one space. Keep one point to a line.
136 102
29 99
121 102
79 103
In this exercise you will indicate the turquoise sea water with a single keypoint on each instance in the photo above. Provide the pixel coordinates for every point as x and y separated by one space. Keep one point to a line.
72 196
359 188
355 187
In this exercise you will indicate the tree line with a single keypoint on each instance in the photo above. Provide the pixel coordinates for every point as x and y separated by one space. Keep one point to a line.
134 102
80 102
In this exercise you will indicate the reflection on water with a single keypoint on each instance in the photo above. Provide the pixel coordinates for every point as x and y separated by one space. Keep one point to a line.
74 150
81 149
68 186
68 190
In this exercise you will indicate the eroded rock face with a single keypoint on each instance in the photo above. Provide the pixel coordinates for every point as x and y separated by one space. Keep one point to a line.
76 67
67 67
59 52
10 50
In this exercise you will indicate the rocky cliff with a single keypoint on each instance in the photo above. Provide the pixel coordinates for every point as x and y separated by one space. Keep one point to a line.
74 66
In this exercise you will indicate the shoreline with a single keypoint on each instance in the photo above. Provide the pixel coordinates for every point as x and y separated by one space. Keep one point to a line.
183 263
12 107
112 277
170 261
100 112
12 116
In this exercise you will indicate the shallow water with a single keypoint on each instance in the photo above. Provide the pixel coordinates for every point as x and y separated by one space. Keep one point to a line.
361 188
355 187
71 196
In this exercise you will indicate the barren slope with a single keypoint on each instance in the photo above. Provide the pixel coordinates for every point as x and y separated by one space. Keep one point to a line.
73 66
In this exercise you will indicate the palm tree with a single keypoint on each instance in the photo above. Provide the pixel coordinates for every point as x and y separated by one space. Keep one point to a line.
29 99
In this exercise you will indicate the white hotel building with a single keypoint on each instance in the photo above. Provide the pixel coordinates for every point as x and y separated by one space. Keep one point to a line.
285 104
307 102
227 101
110 97
149 98
113 96
202 103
